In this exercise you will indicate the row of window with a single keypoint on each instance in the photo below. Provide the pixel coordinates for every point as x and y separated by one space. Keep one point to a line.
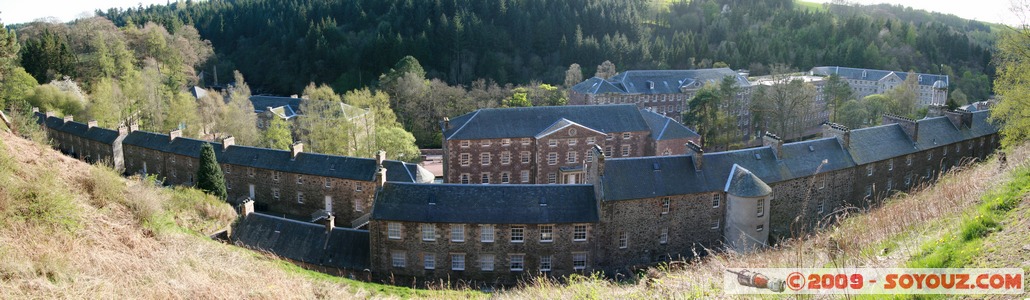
359 204
487 233
487 262
488 143
485 177
929 155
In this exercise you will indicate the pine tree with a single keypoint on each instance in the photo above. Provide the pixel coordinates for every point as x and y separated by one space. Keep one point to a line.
209 175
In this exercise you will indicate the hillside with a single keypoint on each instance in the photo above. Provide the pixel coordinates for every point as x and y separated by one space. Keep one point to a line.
349 44
72 230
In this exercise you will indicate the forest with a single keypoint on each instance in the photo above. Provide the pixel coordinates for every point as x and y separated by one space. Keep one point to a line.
284 45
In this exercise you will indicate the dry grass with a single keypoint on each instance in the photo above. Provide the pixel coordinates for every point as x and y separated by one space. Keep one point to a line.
71 230
887 236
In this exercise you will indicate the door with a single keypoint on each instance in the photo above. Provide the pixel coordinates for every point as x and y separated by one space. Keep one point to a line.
329 204
251 192
570 178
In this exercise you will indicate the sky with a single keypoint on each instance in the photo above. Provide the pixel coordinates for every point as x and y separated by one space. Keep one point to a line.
21 11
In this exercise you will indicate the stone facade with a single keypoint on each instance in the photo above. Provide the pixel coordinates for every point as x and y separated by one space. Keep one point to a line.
930 89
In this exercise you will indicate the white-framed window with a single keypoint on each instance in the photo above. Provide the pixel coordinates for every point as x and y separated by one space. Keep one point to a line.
458 261
276 175
908 179
300 179
552 143
393 230
506 157
359 205
869 191
300 198
464 143
625 150
518 233
945 150
517 261
821 206
484 143
869 170
486 233
505 177
591 140
929 155
457 232
666 204
428 232
464 159
552 158
761 207
589 156
608 151
525 141
275 193
572 157
524 176
579 260
399 259
228 168
715 222
890 184
626 135
552 178
572 142
822 183
623 240
484 178
716 200
546 233
505 142
429 261
484 159
545 263
579 233
664 238
524 156
890 165
464 178
609 136
250 171
328 182
486 262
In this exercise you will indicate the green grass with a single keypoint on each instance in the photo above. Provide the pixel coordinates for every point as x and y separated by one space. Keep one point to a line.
383 289
959 249
812 6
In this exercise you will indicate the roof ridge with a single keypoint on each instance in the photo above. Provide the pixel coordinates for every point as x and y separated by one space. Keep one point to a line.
474 114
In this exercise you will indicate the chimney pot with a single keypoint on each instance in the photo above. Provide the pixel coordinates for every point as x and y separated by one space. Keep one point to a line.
247 207
380 157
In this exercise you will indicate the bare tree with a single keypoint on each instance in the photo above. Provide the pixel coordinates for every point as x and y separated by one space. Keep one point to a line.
786 104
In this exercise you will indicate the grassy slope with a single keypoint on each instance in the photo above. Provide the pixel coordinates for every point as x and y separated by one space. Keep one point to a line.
71 230
898 234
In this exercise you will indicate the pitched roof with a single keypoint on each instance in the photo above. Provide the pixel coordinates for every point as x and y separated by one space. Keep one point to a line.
596 85
99 134
305 242
486 203
665 128
806 157
562 124
335 166
648 177
874 75
670 81
529 121
743 183
261 103
877 143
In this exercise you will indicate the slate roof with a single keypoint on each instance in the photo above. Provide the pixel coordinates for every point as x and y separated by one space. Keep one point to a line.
803 158
489 123
596 85
486 203
665 128
742 183
656 81
335 166
874 75
261 103
306 242
103 135
654 176
880 142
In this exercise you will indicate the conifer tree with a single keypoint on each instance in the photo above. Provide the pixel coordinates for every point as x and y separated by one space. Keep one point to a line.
209 175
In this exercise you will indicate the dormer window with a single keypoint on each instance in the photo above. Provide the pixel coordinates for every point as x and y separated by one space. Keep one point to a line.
650 85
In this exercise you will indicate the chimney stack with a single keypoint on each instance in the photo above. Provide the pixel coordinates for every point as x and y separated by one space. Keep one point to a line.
123 130
774 142
50 113
380 177
380 157
296 149
91 124
228 141
911 127
35 109
841 132
69 118
696 154
935 111
960 118
174 134
330 222
247 207
446 123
